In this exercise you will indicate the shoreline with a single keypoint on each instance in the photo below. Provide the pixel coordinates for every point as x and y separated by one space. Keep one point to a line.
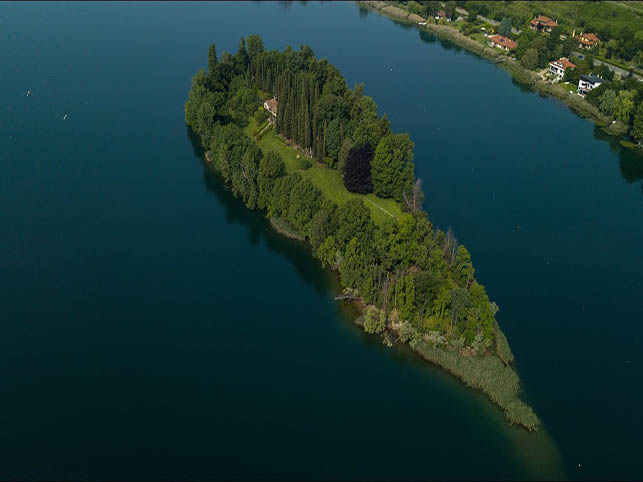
518 73
491 374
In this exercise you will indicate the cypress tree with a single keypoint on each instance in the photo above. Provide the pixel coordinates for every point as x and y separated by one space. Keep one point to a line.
212 60
306 127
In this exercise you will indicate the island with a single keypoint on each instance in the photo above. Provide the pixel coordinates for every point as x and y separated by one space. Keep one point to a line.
290 138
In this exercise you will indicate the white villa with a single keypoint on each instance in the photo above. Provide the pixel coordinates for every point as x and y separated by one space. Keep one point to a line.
587 83
558 67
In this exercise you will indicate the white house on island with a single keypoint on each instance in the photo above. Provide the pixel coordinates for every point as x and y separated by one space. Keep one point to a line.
271 106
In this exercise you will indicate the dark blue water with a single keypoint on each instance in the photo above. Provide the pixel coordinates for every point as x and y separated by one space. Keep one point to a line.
152 327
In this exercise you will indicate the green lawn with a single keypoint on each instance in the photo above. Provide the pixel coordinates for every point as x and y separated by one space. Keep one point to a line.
571 87
329 181
480 38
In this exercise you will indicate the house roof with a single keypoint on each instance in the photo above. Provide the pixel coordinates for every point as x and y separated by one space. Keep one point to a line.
441 13
504 41
272 105
589 36
541 19
591 78
564 63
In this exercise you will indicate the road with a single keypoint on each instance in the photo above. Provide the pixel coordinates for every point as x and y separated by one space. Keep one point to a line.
624 73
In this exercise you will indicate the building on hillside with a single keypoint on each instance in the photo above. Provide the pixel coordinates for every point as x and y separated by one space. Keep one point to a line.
271 106
558 67
442 14
501 42
587 40
587 83
542 24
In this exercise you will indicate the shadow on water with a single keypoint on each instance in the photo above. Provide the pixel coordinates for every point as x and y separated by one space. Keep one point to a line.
537 452
259 229
630 161
363 12
402 25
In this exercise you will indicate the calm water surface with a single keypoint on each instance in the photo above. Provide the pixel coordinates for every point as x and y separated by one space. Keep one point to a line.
154 328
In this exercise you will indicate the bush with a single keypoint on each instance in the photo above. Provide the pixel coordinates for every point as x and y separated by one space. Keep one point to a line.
374 320
304 164
330 162
260 115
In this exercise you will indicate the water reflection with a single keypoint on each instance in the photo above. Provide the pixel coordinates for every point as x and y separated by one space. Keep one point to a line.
538 453
259 229
630 161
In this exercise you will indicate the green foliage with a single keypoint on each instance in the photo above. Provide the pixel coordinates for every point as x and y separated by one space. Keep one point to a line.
637 126
304 164
271 168
374 320
607 102
305 200
505 26
530 59
624 106
392 167
403 267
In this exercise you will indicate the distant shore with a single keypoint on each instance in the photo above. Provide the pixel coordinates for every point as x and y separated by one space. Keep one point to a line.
521 75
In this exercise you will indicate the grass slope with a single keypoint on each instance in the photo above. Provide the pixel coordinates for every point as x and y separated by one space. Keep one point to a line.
329 181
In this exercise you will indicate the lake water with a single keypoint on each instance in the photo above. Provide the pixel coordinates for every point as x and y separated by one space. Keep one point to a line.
152 327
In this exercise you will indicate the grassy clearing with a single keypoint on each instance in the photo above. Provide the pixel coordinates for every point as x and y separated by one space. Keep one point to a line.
329 181
480 38
569 87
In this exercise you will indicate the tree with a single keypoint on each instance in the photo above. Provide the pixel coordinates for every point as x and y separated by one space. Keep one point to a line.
333 138
280 199
463 268
346 146
392 166
374 320
569 45
354 220
472 15
254 46
353 265
357 171
433 6
212 60
449 10
305 200
637 125
328 252
624 106
607 102
530 59
271 168
505 27
323 224
414 197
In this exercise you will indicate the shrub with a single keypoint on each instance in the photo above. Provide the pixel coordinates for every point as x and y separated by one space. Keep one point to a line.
304 164
374 320
330 162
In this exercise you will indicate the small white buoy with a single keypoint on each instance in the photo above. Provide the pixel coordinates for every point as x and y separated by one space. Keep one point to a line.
65 117
28 93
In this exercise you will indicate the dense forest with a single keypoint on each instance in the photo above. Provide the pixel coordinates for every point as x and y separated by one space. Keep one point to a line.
412 277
